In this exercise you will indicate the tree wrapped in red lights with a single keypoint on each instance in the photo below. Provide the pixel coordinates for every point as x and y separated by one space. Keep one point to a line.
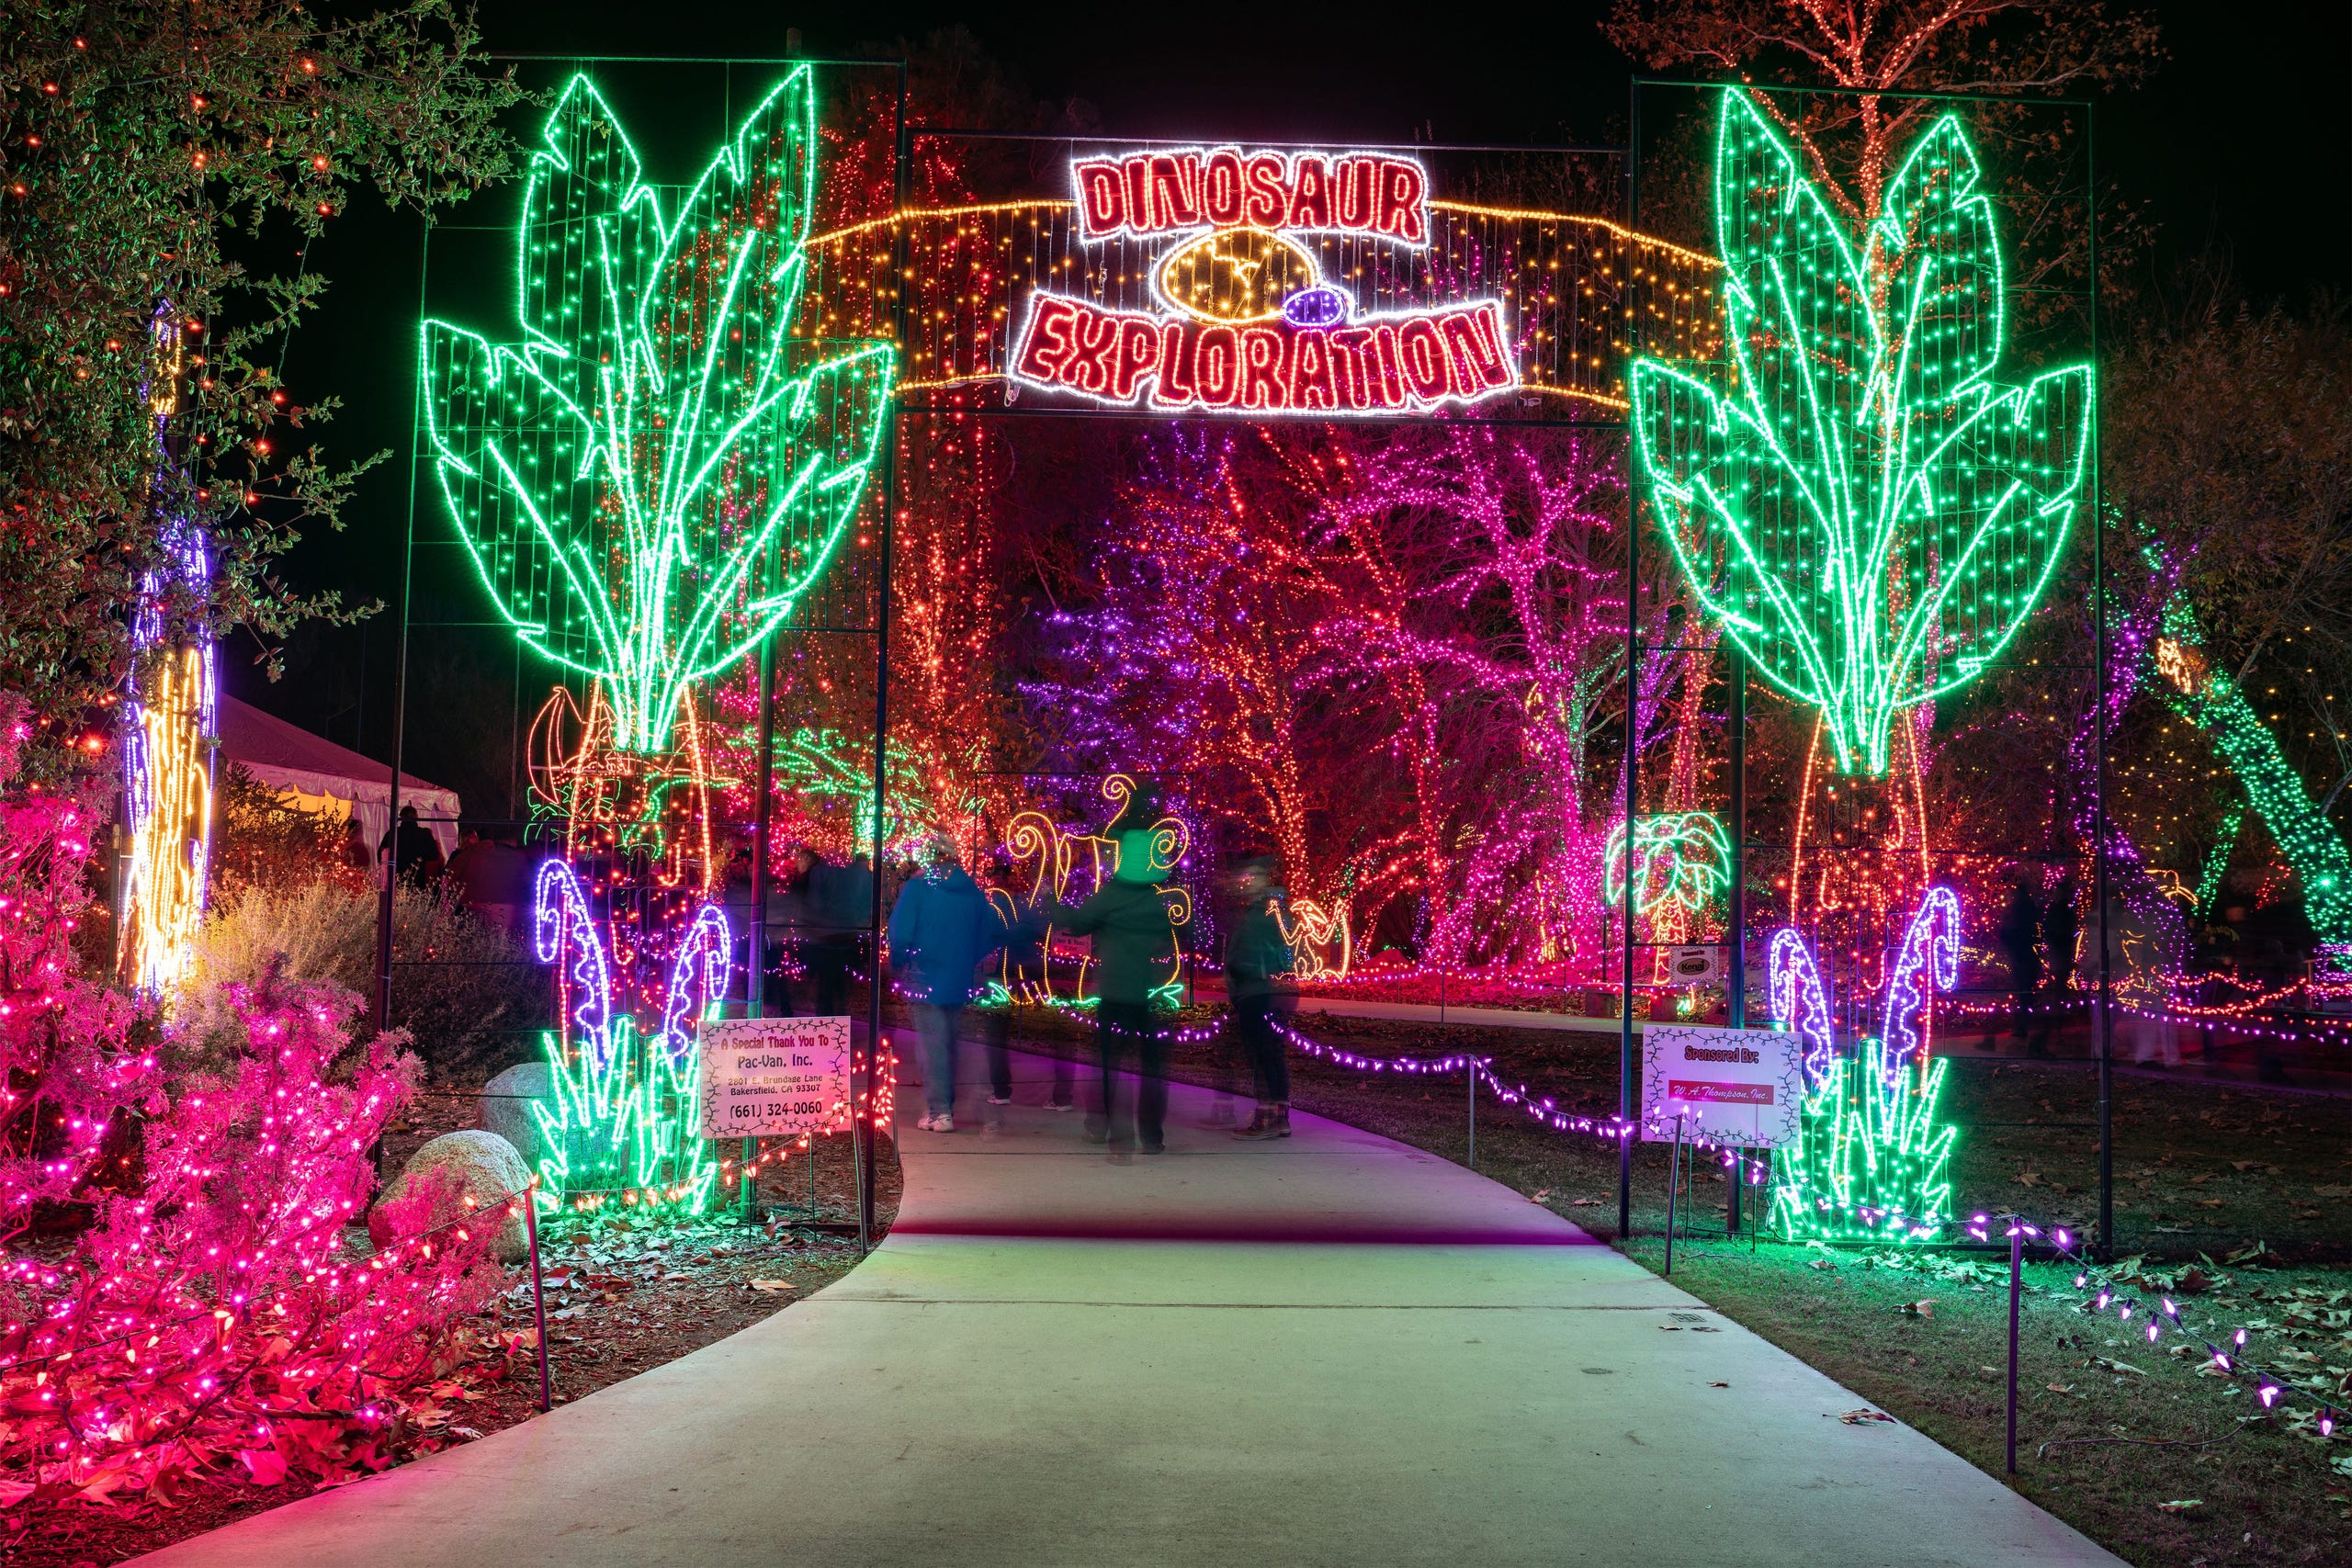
207 1314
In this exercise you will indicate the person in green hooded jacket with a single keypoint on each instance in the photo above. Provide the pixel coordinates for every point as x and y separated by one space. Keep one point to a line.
1135 940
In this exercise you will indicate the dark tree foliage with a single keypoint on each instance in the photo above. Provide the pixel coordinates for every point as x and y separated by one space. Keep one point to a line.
145 152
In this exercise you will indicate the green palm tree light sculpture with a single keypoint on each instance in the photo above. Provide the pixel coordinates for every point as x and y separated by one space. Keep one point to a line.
660 466
1869 513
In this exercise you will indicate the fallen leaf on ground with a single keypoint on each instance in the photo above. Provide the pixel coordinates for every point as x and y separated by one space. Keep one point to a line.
1538 1196
267 1466
2028 1179
1719 1385
1857 1417
772 1286
1671 1327
2112 1365
2059 1387
1584 1203
2181 1506
1821 1263
1919 1309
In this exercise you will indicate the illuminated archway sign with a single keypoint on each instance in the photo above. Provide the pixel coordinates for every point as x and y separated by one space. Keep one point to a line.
1246 320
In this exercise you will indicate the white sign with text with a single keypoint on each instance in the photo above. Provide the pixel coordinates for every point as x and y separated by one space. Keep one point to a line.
766 1077
1735 1086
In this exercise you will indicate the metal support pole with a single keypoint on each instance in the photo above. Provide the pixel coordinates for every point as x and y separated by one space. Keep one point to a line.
755 926
1673 1181
1633 737
539 1290
2017 1284
2104 1024
1471 1071
862 1146
1736 983
388 870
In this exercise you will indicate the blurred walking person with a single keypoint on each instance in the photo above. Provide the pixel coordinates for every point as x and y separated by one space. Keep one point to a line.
2061 927
2019 930
1024 954
1257 958
1134 954
941 926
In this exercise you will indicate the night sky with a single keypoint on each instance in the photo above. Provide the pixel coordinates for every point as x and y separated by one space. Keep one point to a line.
2242 146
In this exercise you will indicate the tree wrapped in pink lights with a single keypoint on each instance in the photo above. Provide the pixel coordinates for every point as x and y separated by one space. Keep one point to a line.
1399 661
179 1297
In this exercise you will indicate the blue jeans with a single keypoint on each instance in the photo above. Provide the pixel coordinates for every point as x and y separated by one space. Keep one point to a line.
935 1027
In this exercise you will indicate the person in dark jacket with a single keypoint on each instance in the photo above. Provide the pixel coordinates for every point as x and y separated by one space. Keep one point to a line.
1257 958
1134 954
2019 930
414 852
940 929
2061 927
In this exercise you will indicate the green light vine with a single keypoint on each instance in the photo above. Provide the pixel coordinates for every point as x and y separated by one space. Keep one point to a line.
2212 701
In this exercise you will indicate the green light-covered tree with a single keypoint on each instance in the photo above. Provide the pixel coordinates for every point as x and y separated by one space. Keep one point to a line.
655 473
1868 514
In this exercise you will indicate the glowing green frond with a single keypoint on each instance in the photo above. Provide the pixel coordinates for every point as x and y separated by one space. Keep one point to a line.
1870 515
656 473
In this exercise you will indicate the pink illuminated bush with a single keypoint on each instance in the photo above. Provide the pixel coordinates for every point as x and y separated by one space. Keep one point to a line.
180 1295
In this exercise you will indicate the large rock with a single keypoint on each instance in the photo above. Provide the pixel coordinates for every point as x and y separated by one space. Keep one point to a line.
505 1108
431 1191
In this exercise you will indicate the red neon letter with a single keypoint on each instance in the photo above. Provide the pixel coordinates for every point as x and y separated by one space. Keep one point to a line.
1262 353
1047 343
1138 196
1175 185
1175 388
1089 368
1387 382
1222 190
1267 201
1478 362
1311 383
1422 353
1310 196
1101 199
1402 187
1217 362
1358 187
1138 352
1351 355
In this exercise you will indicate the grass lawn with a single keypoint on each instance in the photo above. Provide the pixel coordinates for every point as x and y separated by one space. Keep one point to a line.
2203 1171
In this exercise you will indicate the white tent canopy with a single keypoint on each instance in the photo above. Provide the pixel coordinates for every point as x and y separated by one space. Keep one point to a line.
317 774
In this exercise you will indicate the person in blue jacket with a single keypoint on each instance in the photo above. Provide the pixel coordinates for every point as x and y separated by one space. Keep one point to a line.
941 928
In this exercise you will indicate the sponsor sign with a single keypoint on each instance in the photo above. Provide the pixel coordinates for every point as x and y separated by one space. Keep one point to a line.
1735 1086
767 1077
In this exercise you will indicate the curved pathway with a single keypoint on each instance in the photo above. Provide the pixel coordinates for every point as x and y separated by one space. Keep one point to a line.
1329 1349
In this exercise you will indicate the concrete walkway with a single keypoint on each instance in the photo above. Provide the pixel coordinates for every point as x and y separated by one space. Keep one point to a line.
1329 1350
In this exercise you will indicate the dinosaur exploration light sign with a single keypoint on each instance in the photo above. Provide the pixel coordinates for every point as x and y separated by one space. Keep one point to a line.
1250 316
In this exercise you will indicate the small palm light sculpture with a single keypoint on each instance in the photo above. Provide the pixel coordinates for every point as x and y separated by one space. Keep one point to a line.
1869 513
1682 860
660 467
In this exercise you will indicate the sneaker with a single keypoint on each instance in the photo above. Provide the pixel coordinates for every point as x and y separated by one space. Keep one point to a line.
923 1122
1155 1148
1060 1105
943 1124
1000 1100
1269 1128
